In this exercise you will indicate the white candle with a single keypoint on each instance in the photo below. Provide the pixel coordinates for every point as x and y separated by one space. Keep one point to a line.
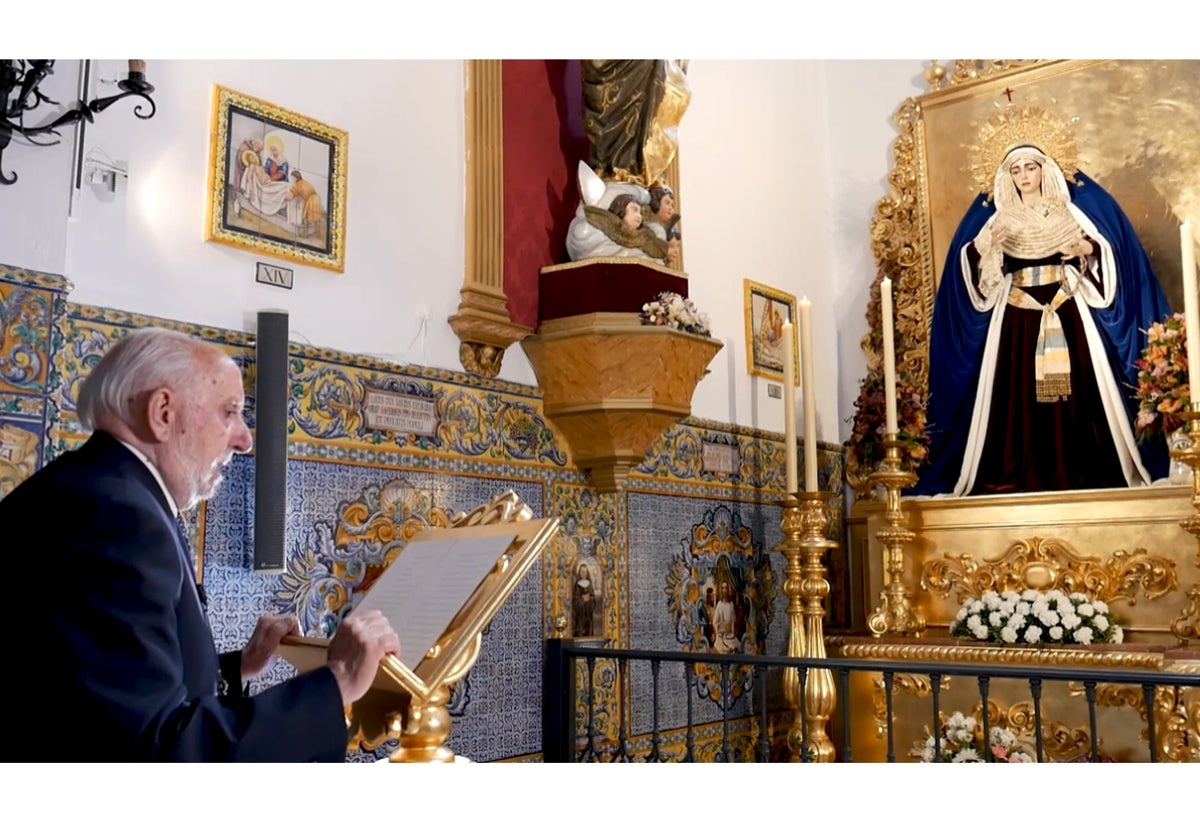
1191 309
789 407
889 354
808 383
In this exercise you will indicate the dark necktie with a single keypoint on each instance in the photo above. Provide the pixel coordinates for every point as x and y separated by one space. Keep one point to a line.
181 524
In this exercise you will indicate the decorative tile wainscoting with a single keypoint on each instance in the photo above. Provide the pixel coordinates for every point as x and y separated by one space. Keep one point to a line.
356 494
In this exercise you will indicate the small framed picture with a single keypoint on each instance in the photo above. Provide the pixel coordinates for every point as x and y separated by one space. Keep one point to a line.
587 614
767 310
276 182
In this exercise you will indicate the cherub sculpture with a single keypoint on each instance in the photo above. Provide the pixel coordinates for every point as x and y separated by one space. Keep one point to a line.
632 110
610 221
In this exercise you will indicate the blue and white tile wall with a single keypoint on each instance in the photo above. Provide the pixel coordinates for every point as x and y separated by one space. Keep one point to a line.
657 549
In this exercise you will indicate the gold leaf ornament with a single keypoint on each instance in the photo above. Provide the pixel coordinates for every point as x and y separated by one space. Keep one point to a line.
1029 125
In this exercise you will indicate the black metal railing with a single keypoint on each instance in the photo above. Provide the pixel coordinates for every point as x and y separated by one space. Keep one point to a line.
569 668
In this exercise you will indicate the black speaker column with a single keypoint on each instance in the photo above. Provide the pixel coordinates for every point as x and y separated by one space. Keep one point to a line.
270 444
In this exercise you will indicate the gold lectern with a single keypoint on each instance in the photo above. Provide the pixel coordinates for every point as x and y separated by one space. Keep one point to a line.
409 703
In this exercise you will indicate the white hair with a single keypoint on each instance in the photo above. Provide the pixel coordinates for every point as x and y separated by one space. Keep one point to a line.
144 360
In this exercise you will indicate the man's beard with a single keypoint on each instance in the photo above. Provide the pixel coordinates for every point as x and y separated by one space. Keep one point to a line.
206 487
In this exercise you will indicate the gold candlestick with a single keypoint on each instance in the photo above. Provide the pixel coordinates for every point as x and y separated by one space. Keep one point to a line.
804 525
1187 625
896 613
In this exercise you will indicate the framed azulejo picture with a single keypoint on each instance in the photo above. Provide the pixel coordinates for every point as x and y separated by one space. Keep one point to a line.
767 310
276 182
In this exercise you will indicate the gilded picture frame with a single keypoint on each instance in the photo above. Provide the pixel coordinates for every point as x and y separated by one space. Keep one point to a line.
767 310
276 182
1137 127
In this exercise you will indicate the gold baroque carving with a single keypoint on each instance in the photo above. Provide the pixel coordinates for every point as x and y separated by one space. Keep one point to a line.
1043 564
965 70
481 359
968 652
1185 627
1061 741
1176 714
1113 695
504 507
901 242
1177 718
1179 728
916 685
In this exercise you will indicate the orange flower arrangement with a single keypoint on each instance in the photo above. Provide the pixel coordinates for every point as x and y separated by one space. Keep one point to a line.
1162 382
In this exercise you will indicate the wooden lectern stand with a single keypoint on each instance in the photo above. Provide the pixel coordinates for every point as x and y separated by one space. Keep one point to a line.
408 698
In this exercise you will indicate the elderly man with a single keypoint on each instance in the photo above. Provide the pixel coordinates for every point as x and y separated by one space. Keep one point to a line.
117 654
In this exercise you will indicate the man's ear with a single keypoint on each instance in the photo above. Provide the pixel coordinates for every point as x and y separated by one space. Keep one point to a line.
162 408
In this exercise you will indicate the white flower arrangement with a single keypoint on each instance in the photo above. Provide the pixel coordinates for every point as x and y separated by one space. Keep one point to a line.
962 744
669 309
1036 618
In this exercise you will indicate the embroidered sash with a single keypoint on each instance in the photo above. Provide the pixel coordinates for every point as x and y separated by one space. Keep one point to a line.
1052 362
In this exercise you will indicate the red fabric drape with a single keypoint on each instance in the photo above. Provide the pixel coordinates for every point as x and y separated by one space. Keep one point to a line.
543 143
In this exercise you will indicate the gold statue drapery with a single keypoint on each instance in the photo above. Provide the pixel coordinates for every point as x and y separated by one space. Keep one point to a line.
631 113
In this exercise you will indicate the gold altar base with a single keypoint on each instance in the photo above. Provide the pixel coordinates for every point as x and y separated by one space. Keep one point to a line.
1120 530
1123 546
1121 716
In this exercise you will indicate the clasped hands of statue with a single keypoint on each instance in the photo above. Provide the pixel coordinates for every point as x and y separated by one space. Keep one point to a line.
1080 249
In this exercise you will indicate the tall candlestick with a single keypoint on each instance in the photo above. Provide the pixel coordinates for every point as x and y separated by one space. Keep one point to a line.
808 383
789 407
1191 308
889 354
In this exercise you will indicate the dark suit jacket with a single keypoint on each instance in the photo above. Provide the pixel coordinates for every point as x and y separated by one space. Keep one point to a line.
113 658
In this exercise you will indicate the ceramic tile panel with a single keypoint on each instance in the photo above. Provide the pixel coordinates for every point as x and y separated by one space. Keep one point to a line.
355 494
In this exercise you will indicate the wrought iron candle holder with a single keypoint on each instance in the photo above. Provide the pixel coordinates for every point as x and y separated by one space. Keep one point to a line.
804 525
1187 625
896 614
21 96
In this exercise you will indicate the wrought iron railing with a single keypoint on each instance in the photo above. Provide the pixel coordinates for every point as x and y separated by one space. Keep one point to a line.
570 732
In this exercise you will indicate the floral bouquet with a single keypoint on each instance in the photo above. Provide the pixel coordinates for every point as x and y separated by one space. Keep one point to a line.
865 447
669 309
1036 618
961 745
1162 380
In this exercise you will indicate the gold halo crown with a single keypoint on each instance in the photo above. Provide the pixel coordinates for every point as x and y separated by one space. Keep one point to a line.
1030 125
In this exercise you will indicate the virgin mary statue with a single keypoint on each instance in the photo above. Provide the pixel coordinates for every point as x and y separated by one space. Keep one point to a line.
1038 322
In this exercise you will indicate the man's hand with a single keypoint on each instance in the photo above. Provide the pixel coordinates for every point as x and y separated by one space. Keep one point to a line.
264 643
355 650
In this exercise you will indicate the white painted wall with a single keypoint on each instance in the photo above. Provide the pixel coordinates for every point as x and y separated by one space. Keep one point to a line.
782 164
33 211
144 249
863 97
755 204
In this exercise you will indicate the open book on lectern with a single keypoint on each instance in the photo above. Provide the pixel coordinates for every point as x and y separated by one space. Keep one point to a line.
439 593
